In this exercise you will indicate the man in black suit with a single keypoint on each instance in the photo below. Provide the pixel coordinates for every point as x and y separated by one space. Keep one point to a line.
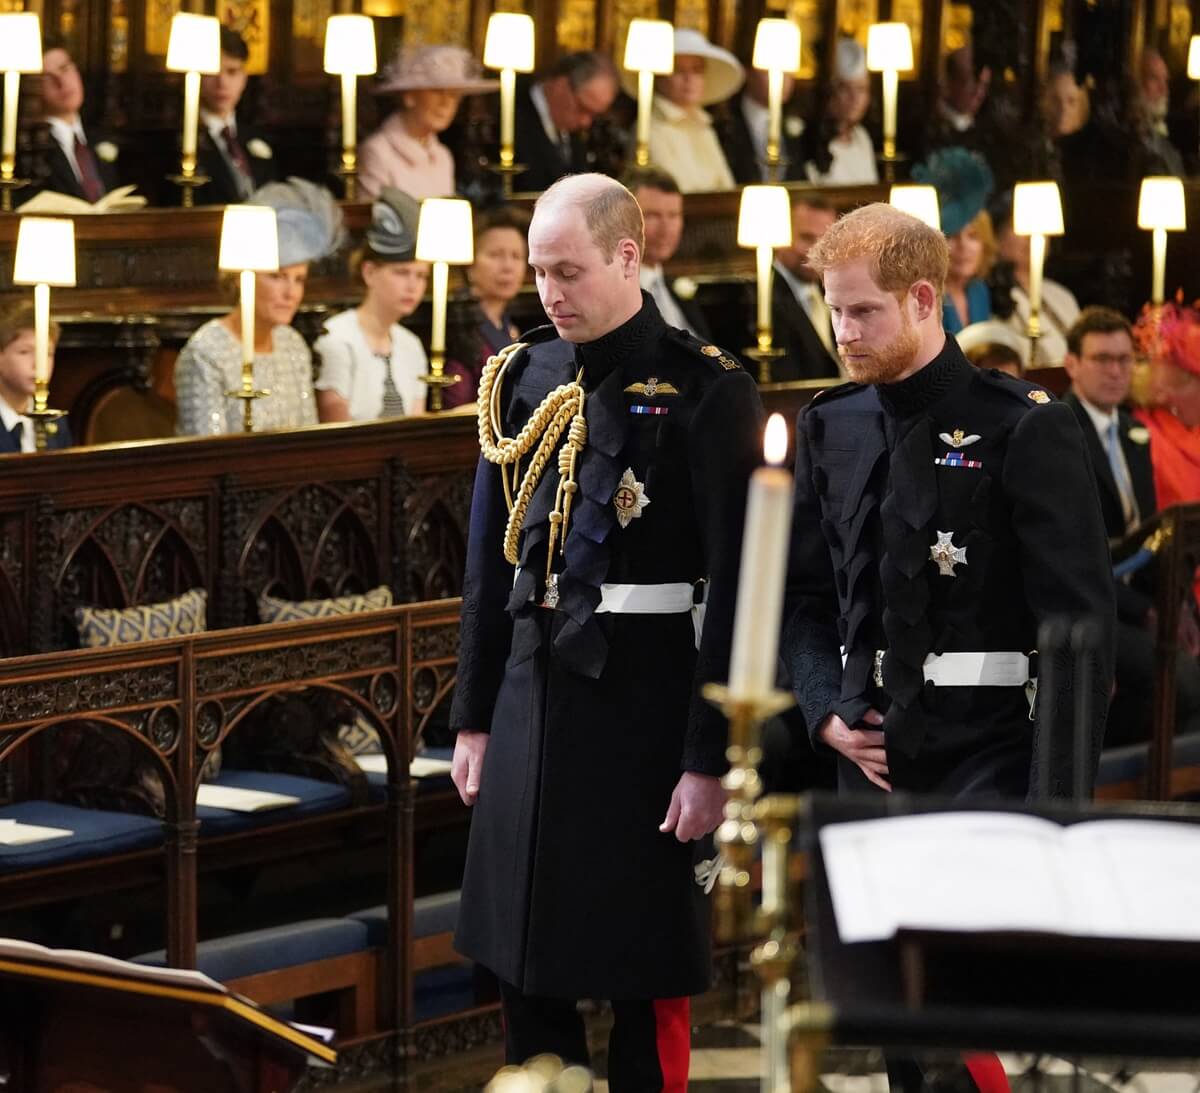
73 164
743 132
1099 361
236 159
662 212
17 368
554 115
801 320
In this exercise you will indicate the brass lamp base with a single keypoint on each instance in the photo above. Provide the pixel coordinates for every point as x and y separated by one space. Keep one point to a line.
436 382
7 186
507 172
890 163
189 183
45 425
248 395
349 177
763 356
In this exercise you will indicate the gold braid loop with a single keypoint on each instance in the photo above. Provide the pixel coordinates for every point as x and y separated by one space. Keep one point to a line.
561 408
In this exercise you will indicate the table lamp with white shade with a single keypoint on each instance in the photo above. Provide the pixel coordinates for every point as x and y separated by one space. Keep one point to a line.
45 257
650 52
890 52
1161 209
249 246
194 49
1037 213
20 51
350 53
508 47
445 237
777 52
918 200
764 223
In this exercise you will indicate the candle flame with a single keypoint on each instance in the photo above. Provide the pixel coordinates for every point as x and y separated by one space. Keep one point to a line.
775 440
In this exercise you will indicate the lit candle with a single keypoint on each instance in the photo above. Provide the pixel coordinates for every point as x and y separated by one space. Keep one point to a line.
246 278
41 337
759 614
349 118
191 117
12 87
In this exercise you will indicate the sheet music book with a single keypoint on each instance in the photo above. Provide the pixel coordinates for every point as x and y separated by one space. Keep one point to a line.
80 961
237 799
1006 872
15 833
122 199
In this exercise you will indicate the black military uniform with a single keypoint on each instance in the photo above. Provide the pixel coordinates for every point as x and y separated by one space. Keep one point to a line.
570 890
949 513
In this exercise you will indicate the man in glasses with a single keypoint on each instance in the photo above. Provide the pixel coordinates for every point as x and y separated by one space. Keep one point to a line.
554 115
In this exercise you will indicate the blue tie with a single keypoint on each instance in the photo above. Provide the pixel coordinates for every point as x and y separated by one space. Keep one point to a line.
1121 476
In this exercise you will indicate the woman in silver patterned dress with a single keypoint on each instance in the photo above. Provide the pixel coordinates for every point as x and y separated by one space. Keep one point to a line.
369 365
210 364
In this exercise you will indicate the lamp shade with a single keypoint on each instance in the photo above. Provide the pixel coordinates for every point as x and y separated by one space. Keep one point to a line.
509 41
20 42
1161 204
889 47
195 44
918 201
444 231
764 217
650 46
350 45
777 46
1037 209
249 238
1194 58
45 252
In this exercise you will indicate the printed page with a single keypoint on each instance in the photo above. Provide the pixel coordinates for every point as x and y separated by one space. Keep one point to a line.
12 949
970 871
15 833
1136 878
237 799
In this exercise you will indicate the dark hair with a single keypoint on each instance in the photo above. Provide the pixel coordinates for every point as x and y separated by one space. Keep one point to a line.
54 41
501 216
16 318
650 178
814 201
1096 320
994 355
583 67
233 44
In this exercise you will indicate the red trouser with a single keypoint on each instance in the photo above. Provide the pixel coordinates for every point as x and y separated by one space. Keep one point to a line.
648 1048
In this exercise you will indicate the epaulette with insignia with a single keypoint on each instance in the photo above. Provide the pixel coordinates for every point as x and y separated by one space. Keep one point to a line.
713 354
827 393
1030 394
543 333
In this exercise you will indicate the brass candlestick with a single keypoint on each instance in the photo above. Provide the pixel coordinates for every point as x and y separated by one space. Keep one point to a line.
45 419
437 380
189 181
248 394
7 185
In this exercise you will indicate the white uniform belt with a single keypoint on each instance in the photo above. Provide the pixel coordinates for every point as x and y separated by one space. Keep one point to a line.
646 599
982 669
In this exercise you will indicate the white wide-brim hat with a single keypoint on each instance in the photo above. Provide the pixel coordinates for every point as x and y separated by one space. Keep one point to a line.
723 72
993 332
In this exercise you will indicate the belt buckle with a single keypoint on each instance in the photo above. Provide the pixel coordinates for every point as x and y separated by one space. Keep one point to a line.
877 674
550 598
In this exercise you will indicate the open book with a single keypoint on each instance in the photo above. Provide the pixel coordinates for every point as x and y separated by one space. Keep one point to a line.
79 961
996 871
122 199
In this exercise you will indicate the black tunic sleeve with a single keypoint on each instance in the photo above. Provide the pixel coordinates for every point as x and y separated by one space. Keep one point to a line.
1066 570
724 445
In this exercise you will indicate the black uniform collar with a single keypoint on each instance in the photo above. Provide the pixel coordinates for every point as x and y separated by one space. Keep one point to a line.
637 335
919 392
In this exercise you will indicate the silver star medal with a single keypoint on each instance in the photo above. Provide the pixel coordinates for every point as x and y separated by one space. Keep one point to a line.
630 498
946 554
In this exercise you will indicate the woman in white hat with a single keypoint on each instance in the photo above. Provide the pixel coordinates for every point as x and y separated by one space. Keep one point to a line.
404 151
848 159
682 138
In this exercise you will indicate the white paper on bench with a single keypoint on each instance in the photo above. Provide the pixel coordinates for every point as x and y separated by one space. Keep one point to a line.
984 871
15 833
237 799
420 767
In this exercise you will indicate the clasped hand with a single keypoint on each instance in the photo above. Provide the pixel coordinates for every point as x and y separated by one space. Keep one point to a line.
863 747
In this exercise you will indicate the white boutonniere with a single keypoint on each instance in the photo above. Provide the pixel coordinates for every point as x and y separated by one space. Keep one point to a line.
1139 434
107 151
684 287
793 126
259 149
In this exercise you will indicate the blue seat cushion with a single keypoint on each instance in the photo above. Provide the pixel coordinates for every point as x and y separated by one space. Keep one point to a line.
276 947
442 991
96 834
315 797
437 914
377 780
1125 764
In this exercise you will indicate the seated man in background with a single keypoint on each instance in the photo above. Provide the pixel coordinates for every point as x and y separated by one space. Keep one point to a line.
803 329
1099 361
74 165
744 131
17 383
236 160
662 211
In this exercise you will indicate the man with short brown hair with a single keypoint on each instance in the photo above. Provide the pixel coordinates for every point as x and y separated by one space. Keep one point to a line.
590 758
803 329
942 514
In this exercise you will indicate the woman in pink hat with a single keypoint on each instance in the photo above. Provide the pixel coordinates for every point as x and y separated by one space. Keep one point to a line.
404 152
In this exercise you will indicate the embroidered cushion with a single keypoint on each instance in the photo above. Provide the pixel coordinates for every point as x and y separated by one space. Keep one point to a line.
273 609
103 626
